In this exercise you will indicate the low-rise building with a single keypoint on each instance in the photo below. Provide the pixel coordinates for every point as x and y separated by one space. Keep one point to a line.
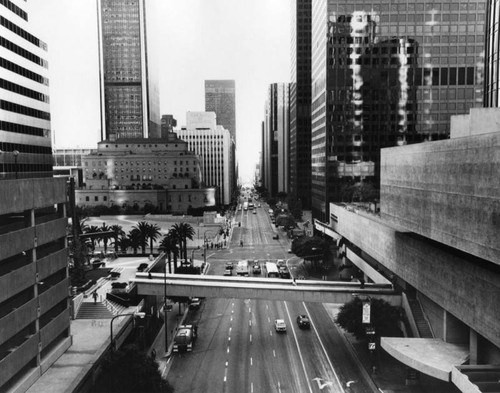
159 172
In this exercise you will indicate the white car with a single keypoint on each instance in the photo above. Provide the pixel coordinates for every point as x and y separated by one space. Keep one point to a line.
280 325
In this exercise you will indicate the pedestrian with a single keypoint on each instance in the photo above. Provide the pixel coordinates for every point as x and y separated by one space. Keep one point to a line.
153 354
94 295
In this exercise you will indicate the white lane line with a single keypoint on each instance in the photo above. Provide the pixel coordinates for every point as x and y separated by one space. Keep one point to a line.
250 323
229 339
279 386
250 338
251 387
251 361
270 332
227 349
230 328
323 347
298 348
274 353
249 310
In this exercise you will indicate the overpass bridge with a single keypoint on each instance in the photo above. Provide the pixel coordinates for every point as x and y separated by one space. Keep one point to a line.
260 288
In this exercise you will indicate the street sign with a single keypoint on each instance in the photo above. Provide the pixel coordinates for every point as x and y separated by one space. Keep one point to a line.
366 313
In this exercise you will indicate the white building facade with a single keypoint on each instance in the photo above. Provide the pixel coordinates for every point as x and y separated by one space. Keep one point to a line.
214 145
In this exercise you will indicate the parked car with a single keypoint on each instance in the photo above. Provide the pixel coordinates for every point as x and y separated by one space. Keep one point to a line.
229 265
280 262
194 303
303 322
276 237
228 272
256 269
280 325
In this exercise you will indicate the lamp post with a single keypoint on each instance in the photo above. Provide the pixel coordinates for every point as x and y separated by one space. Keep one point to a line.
135 314
16 153
165 306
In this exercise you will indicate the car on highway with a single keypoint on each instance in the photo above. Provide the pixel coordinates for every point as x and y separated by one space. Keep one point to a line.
276 237
258 205
228 272
254 212
229 265
289 250
194 303
256 269
280 325
303 322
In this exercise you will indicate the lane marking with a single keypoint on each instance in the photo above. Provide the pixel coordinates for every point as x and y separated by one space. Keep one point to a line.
250 338
250 323
251 361
274 353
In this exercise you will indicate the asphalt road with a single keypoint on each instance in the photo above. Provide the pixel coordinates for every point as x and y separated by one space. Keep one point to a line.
238 349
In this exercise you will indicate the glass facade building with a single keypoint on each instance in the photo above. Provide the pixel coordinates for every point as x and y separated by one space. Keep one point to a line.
387 74
300 102
492 56
220 97
128 77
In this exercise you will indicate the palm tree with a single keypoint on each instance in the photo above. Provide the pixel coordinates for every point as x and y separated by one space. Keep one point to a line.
134 237
153 232
169 245
105 237
183 231
93 239
119 233
123 243
142 229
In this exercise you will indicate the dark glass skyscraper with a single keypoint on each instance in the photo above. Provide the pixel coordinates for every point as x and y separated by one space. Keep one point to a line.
220 97
300 102
129 89
387 74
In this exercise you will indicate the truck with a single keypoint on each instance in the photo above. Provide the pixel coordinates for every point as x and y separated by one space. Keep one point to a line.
184 338
242 268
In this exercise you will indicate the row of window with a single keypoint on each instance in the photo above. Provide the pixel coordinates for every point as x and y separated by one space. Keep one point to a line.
22 33
104 198
21 148
24 110
15 9
8 65
23 52
22 129
15 88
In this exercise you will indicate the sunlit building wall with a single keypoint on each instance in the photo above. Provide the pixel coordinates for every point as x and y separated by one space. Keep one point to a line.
430 54
128 70
492 56
34 305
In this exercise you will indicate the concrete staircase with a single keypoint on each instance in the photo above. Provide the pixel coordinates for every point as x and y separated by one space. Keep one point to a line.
89 310
423 327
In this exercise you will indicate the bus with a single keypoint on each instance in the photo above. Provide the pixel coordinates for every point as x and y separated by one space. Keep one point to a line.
242 268
272 270
245 206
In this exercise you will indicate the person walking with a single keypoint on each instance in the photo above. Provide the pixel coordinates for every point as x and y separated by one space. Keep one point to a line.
94 295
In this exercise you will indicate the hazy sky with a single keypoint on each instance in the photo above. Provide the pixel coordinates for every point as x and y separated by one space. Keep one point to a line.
244 40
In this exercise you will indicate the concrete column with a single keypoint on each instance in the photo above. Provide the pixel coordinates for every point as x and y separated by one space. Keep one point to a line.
473 347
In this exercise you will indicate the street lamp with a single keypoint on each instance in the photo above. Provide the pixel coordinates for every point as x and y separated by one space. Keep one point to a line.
135 314
16 153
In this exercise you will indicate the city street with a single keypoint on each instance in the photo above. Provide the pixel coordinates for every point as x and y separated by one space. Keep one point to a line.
238 349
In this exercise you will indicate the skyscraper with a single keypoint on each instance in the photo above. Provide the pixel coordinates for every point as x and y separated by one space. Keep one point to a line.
385 75
128 77
300 102
492 55
220 97
275 146
34 307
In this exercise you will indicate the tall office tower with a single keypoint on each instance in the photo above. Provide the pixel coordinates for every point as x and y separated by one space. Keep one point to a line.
386 75
215 146
34 308
167 125
300 102
275 148
220 97
492 55
128 70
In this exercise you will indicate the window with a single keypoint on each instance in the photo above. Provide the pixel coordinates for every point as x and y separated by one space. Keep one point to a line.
96 199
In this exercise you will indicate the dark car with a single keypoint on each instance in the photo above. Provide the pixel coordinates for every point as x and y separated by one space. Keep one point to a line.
303 322
256 269
276 237
229 265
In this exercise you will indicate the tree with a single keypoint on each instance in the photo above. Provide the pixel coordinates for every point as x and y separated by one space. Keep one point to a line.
142 229
384 318
295 207
79 252
118 233
169 245
286 220
183 231
130 370
312 249
153 231
134 238
105 237
94 238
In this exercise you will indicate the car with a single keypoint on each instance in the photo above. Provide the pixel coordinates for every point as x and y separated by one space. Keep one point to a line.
258 205
284 272
289 250
228 272
256 269
280 262
229 265
280 325
276 237
303 322
254 212
194 303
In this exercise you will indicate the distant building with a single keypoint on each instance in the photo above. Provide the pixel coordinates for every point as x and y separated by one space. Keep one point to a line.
275 148
144 171
167 125
492 55
220 97
300 102
214 145
128 70
34 305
